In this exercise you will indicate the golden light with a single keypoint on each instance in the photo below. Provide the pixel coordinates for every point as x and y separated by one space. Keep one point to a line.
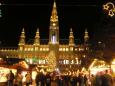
105 7
54 24
23 74
113 62
24 64
34 73
94 61
113 66
83 69
114 10
3 73
98 66
111 13
1 59
110 8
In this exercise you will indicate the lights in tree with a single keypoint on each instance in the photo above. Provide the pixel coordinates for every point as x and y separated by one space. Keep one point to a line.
52 60
110 8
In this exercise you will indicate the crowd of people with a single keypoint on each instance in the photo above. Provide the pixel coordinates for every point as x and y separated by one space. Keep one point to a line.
102 79
52 79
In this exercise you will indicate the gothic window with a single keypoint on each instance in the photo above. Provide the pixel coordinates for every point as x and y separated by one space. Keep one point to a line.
40 49
71 48
32 49
60 49
66 61
47 49
67 49
63 49
44 49
21 48
36 48
25 49
53 38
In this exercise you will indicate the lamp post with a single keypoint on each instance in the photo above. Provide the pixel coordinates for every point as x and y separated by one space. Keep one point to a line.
110 8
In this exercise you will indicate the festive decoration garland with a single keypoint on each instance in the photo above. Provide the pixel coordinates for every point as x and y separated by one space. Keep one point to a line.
110 8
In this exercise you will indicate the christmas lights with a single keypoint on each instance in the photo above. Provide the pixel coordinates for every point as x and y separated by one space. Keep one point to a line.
110 8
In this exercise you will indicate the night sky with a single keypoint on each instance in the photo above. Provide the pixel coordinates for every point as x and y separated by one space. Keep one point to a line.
33 14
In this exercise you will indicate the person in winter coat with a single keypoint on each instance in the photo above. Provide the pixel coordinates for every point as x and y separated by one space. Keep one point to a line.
10 78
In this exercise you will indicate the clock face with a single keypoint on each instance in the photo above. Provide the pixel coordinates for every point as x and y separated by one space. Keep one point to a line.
54 24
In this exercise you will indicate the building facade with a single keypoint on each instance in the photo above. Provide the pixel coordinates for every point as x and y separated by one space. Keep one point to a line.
52 55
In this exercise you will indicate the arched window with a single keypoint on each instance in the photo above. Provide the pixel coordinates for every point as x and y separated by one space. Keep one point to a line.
53 38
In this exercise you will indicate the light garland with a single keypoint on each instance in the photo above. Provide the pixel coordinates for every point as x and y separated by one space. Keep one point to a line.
110 8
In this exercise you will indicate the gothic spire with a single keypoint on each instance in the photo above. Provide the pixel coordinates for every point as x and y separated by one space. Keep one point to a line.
54 26
71 37
86 36
37 37
54 16
22 37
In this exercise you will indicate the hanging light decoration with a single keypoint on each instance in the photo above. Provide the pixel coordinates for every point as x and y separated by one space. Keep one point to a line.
110 8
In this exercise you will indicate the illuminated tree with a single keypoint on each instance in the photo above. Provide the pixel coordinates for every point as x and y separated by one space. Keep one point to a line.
51 60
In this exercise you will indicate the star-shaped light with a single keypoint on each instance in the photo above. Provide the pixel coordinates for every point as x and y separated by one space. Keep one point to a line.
110 8
106 7
111 13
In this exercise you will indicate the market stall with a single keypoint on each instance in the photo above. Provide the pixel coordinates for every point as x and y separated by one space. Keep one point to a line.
98 66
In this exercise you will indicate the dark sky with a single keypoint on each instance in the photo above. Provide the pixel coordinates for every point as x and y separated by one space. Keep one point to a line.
31 14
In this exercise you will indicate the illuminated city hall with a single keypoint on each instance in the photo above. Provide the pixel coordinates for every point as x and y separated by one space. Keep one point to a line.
54 55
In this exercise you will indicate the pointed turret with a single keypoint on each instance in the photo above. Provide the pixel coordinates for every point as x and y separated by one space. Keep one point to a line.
37 38
71 38
86 36
22 37
54 17
54 27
